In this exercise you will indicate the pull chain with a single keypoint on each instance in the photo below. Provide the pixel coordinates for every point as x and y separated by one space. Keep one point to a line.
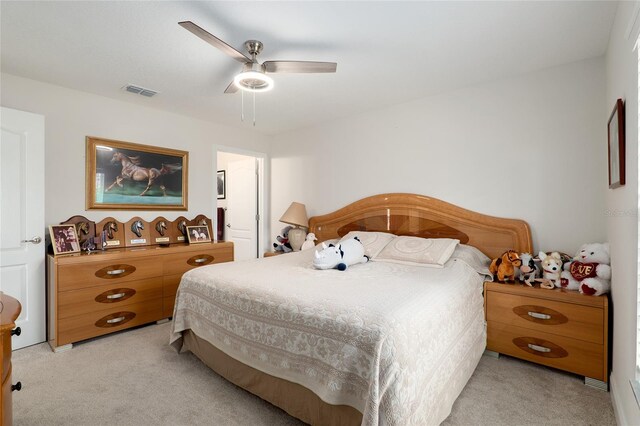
242 109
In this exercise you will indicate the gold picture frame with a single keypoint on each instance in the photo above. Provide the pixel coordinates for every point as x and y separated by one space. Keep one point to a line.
64 239
130 176
198 234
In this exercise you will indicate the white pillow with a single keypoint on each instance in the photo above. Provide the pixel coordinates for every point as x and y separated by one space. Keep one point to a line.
429 252
373 242
474 258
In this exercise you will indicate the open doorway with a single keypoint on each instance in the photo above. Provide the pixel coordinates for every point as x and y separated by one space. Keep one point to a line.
240 204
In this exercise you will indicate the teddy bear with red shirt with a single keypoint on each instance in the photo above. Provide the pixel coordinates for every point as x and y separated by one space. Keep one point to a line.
589 271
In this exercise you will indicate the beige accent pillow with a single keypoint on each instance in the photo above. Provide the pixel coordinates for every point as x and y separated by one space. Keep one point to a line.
373 242
429 252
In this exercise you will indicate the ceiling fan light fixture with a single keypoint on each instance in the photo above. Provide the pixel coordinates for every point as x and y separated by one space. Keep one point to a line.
253 81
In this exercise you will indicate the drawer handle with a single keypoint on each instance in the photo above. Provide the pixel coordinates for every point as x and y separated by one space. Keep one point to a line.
115 272
538 348
116 296
16 387
16 331
115 320
538 315
200 260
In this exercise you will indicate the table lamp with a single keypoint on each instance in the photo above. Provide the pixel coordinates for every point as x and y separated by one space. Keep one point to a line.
296 215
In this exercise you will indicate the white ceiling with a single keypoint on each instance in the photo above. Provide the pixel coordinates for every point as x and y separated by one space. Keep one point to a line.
387 52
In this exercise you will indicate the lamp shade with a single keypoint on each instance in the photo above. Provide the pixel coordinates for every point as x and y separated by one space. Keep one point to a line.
296 215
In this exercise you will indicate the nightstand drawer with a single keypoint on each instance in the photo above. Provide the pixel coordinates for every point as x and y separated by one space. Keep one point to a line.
561 352
547 316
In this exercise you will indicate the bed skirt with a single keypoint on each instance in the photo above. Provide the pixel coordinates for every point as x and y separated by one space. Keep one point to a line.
305 405
293 398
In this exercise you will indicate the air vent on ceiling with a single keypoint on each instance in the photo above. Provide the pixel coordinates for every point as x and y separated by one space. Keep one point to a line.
140 90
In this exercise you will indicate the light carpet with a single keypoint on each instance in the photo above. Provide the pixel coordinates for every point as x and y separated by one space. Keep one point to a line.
136 378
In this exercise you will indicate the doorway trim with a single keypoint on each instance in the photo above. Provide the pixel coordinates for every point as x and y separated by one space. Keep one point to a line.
263 170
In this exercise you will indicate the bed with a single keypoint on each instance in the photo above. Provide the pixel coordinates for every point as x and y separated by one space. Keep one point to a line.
380 344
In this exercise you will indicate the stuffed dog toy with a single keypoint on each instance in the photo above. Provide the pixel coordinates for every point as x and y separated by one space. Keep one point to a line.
504 266
551 269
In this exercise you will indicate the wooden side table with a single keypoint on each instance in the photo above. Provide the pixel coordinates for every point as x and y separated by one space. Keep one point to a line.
9 311
557 328
272 253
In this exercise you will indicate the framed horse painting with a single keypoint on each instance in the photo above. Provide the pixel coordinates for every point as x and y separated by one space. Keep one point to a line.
124 175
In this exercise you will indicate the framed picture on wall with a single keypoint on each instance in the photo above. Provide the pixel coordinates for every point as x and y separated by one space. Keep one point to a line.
124 175
616 148
221 185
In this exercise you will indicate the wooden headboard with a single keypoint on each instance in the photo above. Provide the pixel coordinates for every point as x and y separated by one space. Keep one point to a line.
426 217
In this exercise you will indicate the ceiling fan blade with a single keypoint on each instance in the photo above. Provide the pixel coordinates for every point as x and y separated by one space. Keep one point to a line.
231 88
214 41
299 66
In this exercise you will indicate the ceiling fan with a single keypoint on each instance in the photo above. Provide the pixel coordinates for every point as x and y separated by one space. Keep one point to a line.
253 77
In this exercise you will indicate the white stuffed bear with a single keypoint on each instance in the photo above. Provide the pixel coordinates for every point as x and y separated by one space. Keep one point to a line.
349 252
589 271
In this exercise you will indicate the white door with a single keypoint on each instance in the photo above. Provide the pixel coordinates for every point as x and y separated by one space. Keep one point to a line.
242 208
22 254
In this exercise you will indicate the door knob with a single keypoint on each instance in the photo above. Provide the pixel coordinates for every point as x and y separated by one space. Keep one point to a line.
16 387
34 240
16 331
228 225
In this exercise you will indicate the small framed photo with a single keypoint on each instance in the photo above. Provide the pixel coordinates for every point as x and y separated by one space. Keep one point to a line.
222 185
616 148
198 234
64 239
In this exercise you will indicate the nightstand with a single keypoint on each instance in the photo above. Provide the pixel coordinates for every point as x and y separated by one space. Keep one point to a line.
557 328
272 253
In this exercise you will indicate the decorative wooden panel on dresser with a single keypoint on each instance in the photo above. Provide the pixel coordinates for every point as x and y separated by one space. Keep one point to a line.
105 291
9 311
558 328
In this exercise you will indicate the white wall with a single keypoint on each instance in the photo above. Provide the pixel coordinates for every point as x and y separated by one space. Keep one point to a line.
72 115
622 220
531 147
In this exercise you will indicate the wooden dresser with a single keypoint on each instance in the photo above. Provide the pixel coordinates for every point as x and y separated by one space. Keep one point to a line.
558 328
9 310
94 294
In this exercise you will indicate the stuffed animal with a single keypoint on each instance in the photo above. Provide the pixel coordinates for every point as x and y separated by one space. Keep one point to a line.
504 266
529 271
309 242
345 254
283 241
589 271
551 267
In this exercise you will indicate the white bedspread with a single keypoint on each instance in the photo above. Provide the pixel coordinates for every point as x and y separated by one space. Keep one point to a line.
372 337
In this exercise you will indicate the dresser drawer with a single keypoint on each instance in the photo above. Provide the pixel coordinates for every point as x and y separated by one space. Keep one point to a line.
170 284
182 262
108 296
547 316
72 277
97 323
556 351
168 304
